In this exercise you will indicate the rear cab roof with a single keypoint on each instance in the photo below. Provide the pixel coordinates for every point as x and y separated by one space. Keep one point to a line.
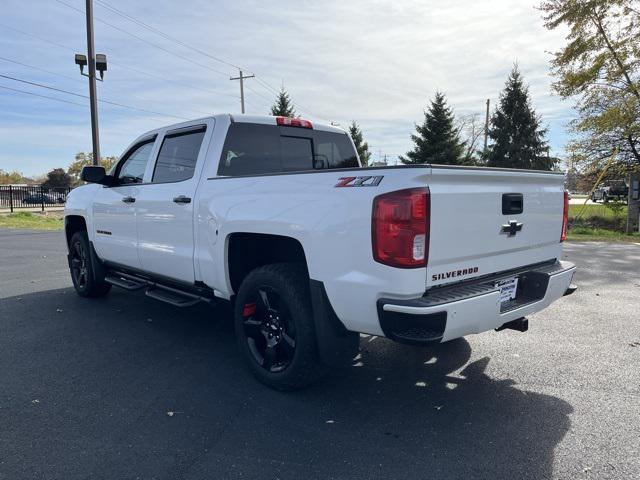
240 118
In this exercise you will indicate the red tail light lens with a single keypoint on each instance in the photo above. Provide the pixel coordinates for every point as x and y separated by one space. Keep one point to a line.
565 217
400 228
293 122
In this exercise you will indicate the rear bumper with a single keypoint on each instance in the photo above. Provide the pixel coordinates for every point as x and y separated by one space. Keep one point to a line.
446 313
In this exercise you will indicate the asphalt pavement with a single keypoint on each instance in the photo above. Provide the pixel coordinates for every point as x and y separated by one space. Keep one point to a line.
126 387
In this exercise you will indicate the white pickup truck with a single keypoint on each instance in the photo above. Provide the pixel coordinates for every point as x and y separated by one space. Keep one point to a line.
276 216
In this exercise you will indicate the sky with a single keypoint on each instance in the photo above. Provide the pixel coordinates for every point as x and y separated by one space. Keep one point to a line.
376 62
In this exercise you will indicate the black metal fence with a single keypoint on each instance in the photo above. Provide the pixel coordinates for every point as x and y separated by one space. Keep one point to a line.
35 196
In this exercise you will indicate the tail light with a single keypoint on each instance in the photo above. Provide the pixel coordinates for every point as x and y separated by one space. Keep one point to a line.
293 122
400 228
565 217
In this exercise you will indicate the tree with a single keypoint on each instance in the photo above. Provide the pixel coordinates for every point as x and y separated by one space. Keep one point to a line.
83 159
57 178
518 139
283 106
8 178
436 140
600 65
362 147
471 128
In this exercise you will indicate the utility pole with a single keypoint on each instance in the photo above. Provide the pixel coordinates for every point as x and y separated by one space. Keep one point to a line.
486 127
93 98
95 61
241 78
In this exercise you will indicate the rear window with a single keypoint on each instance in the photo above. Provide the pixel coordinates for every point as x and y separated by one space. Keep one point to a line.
252 149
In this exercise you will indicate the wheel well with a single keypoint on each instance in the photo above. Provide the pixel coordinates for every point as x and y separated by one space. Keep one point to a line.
73 224
247 251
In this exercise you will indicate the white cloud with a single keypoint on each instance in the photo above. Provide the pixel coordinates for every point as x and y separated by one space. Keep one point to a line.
376 62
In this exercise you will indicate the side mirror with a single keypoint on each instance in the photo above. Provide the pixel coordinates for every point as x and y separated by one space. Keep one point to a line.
95 174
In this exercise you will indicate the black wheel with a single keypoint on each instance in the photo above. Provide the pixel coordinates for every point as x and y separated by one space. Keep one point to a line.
593 198
82 274
605 198
274 327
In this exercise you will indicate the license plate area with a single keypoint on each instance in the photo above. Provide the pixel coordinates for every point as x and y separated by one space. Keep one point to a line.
508 288
520 290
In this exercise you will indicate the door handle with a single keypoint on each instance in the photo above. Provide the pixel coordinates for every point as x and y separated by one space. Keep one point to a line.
128 199
182 199
512 203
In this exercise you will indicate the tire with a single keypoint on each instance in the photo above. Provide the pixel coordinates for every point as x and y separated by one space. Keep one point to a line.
81 268
593 198
605 198
274 327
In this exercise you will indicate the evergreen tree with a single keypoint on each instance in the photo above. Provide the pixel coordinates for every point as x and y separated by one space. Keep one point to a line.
518 139
436 140
283 106
362 147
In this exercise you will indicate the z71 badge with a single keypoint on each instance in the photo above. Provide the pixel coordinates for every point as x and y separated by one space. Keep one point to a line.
359 181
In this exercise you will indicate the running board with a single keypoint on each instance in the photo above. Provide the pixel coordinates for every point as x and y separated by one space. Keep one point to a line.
158 291
126 283
172 296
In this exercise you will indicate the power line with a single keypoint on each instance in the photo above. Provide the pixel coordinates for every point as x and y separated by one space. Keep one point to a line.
155 45
266 85
108 102
297 105
9 27
44 96
164 35
131 18
77 79
43 86
263 83
124 66
259 94
41 69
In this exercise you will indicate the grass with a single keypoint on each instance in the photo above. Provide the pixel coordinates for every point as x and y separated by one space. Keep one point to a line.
595 211
586 234
35 221
598 224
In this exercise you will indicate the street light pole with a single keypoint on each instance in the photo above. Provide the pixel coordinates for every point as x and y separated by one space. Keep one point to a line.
93 98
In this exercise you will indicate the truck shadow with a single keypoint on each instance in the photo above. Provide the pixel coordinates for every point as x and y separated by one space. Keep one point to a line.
129 387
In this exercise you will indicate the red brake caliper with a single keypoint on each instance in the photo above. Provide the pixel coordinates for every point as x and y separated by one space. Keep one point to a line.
248 309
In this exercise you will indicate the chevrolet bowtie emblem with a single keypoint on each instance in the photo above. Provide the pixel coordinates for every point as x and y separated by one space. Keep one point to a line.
511 228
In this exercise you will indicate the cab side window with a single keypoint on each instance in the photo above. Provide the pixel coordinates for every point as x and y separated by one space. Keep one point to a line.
178 156
132 167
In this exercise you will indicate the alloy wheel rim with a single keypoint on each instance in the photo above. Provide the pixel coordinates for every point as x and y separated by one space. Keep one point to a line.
269 330
79 265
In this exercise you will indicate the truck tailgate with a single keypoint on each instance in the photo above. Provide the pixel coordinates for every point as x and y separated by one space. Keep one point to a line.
472 234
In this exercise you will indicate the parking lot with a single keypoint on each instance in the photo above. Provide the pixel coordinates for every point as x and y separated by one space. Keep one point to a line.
127 387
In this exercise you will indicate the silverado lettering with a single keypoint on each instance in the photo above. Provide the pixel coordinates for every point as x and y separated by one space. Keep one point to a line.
454 273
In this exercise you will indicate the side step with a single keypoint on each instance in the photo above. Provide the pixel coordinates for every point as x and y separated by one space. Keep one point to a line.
127 283
175 296
172 296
